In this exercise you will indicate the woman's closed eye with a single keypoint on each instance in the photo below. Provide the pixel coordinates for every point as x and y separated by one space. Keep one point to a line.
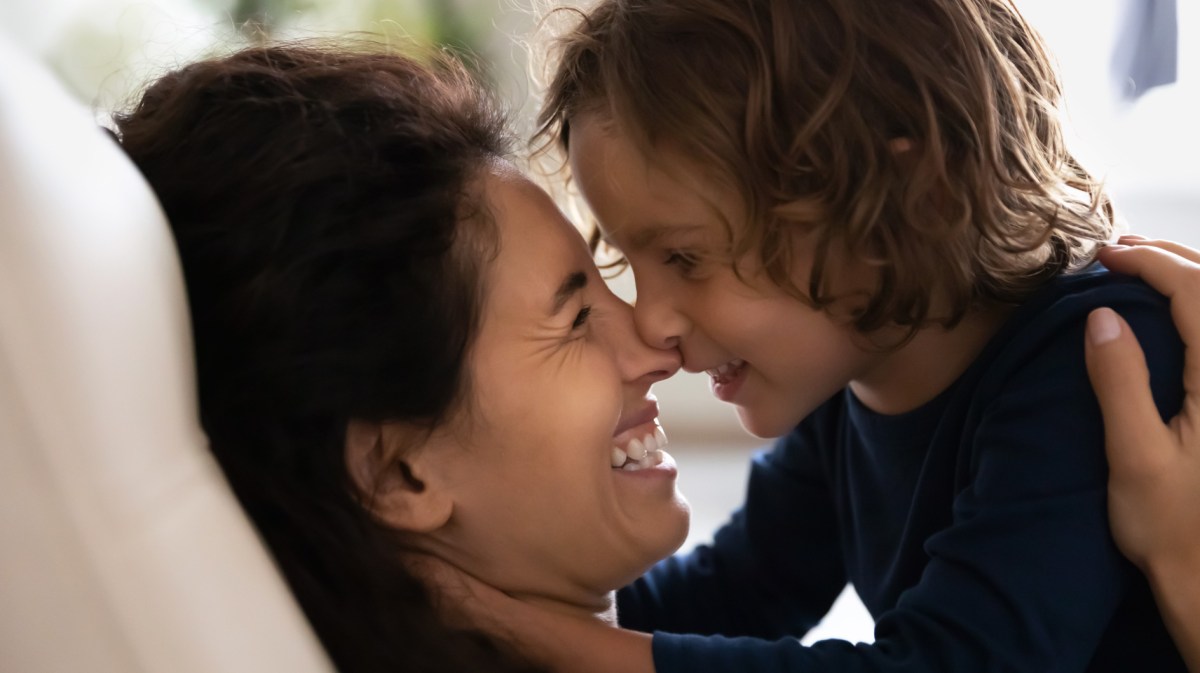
581 318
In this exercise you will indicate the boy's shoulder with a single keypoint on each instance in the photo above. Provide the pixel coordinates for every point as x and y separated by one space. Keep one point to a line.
1085 290
1061 307
1043 340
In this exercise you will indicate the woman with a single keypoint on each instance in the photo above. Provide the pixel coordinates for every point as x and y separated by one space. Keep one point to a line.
403 349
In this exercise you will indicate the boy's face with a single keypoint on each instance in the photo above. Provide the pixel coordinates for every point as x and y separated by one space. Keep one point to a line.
768 353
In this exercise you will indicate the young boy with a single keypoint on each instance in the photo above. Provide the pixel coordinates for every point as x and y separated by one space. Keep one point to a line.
859 217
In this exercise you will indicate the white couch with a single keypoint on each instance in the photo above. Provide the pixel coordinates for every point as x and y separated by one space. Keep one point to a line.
121 547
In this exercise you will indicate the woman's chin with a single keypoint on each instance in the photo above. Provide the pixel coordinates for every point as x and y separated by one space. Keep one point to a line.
682 528
672 532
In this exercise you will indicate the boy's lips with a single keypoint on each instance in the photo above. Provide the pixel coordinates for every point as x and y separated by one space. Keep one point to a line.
727 379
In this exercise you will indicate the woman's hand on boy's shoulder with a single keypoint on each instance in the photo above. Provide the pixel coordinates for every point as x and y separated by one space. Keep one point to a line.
1154 485
1154 481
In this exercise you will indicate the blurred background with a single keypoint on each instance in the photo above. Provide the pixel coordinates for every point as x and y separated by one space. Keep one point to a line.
1143 139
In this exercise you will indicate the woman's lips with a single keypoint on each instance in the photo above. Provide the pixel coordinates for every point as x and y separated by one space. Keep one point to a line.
639 441
647 413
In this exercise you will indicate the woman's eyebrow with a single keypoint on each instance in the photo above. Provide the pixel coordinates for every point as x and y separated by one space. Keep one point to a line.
573 283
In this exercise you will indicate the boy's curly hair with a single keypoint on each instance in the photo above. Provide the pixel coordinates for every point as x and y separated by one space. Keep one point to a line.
806 108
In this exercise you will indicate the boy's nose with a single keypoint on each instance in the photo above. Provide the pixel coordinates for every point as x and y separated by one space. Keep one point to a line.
640 361
658 325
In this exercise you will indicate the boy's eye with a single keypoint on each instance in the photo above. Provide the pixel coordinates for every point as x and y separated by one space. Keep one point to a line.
681 260
581 317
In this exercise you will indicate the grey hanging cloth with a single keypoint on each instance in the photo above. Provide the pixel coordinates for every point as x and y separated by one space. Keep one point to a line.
1146 54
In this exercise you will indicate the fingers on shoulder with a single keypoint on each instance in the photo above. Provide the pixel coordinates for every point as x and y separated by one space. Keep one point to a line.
1170 268
1179 249
1116 362
1121 378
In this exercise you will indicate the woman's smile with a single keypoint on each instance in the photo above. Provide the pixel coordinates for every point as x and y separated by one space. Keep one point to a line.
640 439
640 447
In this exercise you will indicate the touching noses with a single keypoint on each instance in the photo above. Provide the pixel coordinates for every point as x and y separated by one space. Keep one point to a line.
641 362
657 322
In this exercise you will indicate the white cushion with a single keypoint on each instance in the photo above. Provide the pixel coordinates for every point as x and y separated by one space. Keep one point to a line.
121 547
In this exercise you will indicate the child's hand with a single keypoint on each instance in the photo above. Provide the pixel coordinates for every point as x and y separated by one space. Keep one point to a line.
1154 488
1154 484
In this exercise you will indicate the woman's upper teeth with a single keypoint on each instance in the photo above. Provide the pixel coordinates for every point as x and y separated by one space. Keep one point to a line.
726 368
641 453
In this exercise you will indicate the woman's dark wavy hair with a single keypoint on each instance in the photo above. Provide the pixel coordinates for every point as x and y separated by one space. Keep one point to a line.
333 246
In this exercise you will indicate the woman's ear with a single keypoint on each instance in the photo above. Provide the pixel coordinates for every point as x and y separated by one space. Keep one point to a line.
396 477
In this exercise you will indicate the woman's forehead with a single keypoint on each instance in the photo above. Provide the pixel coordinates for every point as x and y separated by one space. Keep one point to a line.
539 248
528 219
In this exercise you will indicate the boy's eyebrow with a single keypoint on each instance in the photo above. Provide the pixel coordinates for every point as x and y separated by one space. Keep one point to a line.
651 234
572 284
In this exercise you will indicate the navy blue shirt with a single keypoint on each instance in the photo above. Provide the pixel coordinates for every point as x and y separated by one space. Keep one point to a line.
974 528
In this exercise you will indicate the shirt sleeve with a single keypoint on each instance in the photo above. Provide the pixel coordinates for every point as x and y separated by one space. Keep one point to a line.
772 570
1026 578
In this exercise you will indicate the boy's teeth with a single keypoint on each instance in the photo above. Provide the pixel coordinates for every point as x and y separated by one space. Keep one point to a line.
725 368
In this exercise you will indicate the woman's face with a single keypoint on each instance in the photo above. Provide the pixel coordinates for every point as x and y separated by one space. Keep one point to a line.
560 389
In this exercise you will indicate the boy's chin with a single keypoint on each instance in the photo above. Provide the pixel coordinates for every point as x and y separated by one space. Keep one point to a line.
765 424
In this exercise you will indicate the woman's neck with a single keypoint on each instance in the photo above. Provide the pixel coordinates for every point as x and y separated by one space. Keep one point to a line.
603 609
463 592
920 370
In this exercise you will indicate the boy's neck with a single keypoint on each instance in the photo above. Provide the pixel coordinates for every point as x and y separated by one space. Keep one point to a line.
919 371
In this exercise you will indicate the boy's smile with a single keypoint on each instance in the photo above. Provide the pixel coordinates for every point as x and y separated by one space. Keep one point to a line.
727 379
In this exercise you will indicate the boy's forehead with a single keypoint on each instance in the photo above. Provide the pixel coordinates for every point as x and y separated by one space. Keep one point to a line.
642 196
664 167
